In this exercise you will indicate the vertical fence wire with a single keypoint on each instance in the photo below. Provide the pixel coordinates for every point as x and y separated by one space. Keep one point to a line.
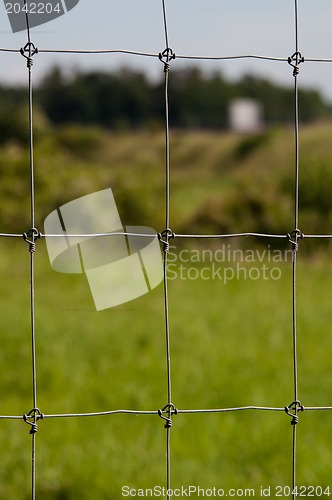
295 245
167 202
165 261
30 237
32 261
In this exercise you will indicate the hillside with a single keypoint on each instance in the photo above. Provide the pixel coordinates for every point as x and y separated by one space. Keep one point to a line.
231 342
220 182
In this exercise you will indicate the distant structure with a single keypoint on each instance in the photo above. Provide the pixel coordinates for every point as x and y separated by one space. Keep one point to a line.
245 116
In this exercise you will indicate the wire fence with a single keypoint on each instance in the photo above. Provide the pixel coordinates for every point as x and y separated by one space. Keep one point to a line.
167 410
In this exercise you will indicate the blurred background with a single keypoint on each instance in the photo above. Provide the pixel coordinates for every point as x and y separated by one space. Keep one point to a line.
99 123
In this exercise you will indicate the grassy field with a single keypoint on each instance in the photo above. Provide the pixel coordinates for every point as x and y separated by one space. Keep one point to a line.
231 342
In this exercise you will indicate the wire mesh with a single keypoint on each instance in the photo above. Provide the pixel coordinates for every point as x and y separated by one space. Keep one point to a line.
167 411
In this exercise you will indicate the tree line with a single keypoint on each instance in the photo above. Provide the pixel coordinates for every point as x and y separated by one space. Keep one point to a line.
128 99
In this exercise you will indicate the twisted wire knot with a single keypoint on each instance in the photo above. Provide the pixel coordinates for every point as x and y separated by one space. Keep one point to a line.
165 57
295 61
171 410
164 238
31 49
295 406
294 238
30 237
36 415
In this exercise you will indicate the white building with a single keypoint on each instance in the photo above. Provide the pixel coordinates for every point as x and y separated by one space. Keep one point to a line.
245 115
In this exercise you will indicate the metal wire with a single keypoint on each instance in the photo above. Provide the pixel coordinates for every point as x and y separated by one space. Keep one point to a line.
167 55
178 56
169 410
295 245
31 50
232 58
174 235
230 235
179 411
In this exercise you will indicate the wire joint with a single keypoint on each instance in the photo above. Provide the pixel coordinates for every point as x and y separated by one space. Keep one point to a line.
34 415
164 238
295 60
31 50
30 237
294 407
165 57
294 238
170 410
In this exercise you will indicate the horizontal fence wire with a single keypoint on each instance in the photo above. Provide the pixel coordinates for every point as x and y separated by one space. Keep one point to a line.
284 59
166 412
178 411
65 235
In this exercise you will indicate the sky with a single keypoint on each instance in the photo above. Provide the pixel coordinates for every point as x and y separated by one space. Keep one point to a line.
195 28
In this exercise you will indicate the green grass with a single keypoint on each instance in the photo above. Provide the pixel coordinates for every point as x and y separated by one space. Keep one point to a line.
231 343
